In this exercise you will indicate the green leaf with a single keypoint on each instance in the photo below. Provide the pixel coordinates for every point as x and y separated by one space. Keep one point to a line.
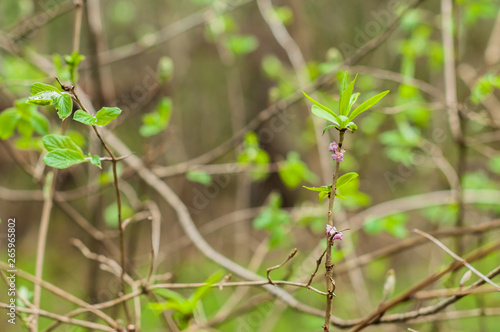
202 291
55 142
353 99
165 69
25 128
320 105
346 178
325 115
344 120
241 44
63 158
322 195
41 87
169 295
322 188
199 176
73 61
328 127
64 105
44 98
352 127
343 86
96 161
85 118
346 98
294 171
106 115
367 104
39 123
8 122
339 195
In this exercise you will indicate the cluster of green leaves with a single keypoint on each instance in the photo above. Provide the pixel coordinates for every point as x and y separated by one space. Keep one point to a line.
183 307
394 224
326 191
255 157
284 77
68 70
293 171
103 117
62 151
26 120
199 176
475 10
400 144
223 29
343 120
45 95
155 122
484 87
274 220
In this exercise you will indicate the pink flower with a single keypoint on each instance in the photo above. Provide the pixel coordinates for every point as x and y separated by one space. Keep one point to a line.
338 156
338 153
333 146
331 232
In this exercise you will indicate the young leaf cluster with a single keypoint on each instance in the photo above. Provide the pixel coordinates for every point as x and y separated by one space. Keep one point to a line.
274 220
45 95
326 191
344 119
26 120
183 307
62 151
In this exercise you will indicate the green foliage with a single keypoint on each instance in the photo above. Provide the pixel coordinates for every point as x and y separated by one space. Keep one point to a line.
183 307
199 176
103 117
283 14
343 120
241 44
441 214
62 151
157 121
253 156
274 220
478 180
44 95
394 224
325 191
165 69
27 120
293 171
73 61
475 10
111 214
484 87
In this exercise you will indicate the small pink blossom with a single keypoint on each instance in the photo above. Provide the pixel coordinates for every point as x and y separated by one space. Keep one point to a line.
331 232
338 153
333 146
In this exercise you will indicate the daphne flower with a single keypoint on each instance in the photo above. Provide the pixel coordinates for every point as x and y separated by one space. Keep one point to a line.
333 146
331 232
338 156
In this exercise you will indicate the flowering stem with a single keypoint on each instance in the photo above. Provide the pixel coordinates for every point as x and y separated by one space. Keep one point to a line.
330 282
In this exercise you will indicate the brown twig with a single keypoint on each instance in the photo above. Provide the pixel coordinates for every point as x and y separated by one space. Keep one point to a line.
330 282
269 269
458 258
